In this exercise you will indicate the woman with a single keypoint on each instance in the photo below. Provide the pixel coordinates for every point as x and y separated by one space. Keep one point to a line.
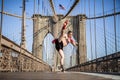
62 41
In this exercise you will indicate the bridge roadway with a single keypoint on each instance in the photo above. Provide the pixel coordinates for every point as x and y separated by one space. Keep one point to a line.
52 76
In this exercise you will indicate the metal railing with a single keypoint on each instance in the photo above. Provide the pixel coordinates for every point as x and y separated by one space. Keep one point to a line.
109 63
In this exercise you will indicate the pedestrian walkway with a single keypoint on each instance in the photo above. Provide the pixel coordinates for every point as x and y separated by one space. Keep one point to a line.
55 76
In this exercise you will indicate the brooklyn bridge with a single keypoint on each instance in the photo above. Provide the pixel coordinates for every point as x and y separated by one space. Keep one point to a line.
28 27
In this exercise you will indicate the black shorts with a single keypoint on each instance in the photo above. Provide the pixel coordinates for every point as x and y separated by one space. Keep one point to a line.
58 45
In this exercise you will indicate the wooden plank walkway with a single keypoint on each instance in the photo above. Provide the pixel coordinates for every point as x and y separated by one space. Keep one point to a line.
48 76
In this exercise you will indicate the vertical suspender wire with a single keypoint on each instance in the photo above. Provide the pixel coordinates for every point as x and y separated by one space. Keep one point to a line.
80 8
104 33
115 26
95 33
104 28
42 6
84 6
95 28
1 23
90 32
47 9
115 30
34 6
38 6
90 37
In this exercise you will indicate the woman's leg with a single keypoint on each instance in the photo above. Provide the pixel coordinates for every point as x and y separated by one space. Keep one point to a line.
62 58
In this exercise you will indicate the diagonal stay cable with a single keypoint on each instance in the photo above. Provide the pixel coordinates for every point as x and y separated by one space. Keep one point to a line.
14 15
72 7
107 15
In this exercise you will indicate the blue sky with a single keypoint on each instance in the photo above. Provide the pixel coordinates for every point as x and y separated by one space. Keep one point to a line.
12 25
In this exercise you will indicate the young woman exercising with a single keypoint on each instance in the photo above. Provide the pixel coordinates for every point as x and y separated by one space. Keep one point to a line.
62 41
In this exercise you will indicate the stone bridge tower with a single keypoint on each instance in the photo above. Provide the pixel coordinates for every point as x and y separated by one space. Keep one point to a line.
44 24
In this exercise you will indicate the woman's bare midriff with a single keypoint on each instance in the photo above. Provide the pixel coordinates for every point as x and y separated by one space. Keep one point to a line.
64 39
65 42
